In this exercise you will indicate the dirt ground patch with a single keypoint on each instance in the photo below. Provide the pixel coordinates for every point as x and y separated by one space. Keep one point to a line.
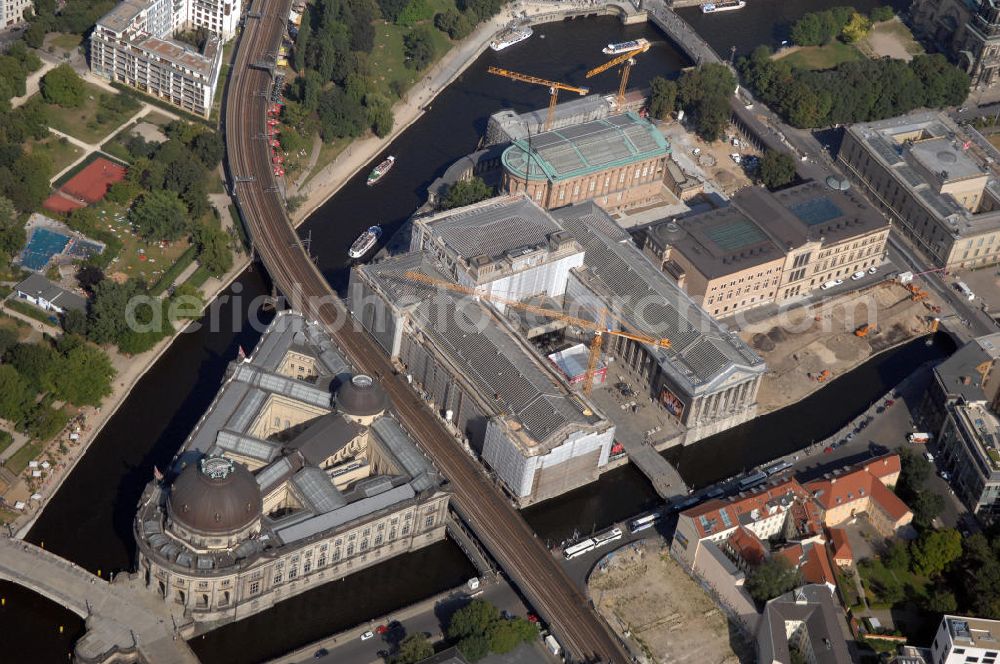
801 344
644 591
890 39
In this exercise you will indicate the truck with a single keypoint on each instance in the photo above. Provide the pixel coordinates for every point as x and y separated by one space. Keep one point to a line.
964 289
552 645
904 277
920 438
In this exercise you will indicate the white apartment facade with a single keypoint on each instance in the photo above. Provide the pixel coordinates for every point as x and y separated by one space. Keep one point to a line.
132 45
12 11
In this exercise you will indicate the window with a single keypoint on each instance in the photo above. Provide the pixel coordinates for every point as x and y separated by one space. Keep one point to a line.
350 549
306 566
429 521
364 545
254 587
278 576
378 539
292 572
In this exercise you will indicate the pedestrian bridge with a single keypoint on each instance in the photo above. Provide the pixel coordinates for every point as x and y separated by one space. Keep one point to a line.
124 622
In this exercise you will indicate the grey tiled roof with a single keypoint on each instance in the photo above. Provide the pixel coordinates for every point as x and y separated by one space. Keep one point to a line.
317 490
701 351
340 516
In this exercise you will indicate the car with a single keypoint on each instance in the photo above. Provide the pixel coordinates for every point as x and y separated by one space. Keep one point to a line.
929 456
873 269
944 475
832 283
696 151
367 635
736 157
880 409
532 618
381 629
322 652
890 402
850 435
827 450
860 274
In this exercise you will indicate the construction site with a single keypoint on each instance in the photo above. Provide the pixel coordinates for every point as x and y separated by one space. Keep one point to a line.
646 597
807 346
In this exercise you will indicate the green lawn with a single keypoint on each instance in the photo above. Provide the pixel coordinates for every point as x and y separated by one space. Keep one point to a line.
822 57
65 41
89 123
157 118
5 440
130 262
388 52
58 149
19 460
875 577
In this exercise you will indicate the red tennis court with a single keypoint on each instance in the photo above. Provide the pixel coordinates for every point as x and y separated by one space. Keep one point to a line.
91 184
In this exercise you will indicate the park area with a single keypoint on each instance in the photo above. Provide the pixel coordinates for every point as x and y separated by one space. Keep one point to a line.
60 151
886 39
642 590
101 113
87 186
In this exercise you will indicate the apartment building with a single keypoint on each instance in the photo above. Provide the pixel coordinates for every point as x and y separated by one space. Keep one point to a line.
769 246
937 181
961 640
12 11
132 45
968 449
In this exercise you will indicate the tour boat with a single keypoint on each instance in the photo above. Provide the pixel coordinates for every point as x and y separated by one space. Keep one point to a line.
379 171
365 242
624 47
511 36
722 6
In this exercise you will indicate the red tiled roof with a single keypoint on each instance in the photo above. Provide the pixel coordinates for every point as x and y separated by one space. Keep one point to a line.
840 544
860 483
811 560
713 510
747 546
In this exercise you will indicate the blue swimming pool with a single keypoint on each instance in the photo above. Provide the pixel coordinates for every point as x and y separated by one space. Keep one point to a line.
42 246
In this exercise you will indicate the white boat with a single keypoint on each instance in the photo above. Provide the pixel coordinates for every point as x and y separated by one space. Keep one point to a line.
379 171
723 6
365 242
511 36
624 47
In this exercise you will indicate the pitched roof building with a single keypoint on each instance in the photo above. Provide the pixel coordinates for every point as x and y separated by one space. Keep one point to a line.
803 625
47 296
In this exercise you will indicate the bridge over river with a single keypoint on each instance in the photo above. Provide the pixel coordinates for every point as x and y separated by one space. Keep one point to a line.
124 621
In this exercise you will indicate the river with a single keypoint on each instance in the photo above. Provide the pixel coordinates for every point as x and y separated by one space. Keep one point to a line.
89 519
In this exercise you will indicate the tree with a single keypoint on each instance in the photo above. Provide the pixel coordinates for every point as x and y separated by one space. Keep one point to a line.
457 24
476 617
15 394
8 337
466 192
773 577
475 647
808 30
208 148
897 555
27 183
418 47
776 169
882 13
62 86
941 600
914 472
35 363
89 276
856 29
934 551
662 97
414 648
12 234
159 215
508 634
213 248
926 507
704 93
83 376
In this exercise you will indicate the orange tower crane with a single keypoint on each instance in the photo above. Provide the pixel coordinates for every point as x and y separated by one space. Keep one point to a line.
627 59
553 86
600 329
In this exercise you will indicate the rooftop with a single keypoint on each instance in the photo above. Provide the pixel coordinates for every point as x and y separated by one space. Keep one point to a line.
504 370
715 516
811 608
569 112
581 149
973 632
861 483
38 286
702 352
186 57
961 375
983 429
120 17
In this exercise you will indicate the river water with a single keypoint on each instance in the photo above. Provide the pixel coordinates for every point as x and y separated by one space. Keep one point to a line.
89 519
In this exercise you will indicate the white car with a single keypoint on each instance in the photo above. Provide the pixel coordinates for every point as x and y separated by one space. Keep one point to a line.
929 456
696 151
736 157
860 274
832 283
367 635
873 269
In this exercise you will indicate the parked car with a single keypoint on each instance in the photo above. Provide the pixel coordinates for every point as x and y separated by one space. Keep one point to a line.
367 635
929 456
944 475
736 157
832 283
696 151
860 274
873 269
322 652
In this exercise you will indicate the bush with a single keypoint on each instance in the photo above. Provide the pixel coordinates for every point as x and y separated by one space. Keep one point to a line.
62 86
882 13
418 47
777 169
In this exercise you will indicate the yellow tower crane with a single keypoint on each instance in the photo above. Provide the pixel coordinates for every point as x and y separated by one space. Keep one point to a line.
600 329
627 59
553 86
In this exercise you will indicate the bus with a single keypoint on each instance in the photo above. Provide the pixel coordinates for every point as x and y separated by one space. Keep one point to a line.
644 522
579 549
777 467
607 537
752 481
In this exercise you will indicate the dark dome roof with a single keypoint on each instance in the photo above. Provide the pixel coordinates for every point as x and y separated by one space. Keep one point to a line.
215 496
361 396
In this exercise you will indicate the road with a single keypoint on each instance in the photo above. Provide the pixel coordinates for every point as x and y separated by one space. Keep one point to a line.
496 523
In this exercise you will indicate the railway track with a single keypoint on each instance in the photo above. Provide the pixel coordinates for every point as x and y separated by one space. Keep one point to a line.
495 522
